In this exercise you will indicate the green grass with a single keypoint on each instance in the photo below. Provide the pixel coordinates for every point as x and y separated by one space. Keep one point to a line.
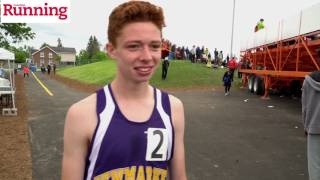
96 73
181 74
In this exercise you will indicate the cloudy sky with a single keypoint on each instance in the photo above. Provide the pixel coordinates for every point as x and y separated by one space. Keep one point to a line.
194 22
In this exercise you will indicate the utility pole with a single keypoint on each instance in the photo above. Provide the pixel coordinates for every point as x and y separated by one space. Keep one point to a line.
232 29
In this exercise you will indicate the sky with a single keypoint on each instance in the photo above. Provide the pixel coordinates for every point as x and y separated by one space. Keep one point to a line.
194 22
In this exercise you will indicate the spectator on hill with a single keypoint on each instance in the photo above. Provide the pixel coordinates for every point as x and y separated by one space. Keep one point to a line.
188 54
216 53
198 53
165 67
220 57
193 53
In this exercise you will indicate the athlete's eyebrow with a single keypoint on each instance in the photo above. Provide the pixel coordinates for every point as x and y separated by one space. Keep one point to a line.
140 42
156 42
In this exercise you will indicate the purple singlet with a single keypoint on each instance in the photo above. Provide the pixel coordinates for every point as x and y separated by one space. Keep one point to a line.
125 150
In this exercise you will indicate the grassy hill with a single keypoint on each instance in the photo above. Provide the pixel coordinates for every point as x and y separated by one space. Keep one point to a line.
181 74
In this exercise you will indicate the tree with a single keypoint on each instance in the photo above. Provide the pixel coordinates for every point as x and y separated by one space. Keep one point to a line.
83 57
14 33
99 56
59 43
28 49
20 54
96 45
58 58
90 47
93 47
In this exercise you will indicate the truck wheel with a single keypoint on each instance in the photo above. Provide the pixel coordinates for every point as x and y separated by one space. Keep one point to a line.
258 86
251 83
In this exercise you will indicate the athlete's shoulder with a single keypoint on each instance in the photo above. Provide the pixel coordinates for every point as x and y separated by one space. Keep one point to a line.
81 120
82 107
177 111
174 101
83 112
177 114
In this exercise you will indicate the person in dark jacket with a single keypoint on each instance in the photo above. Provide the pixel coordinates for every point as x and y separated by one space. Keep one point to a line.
54 69
165 67
311 121
227 79
43 69
48 69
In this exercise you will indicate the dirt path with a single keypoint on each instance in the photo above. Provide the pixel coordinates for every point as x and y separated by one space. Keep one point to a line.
15 156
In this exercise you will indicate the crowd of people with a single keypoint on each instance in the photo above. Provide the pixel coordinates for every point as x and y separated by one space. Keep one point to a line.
48 69
170 51
194 54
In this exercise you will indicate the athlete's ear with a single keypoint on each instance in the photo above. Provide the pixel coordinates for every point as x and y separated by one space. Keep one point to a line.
111 50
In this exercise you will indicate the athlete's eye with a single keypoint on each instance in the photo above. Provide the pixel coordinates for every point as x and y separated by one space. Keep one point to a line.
155 47
133 46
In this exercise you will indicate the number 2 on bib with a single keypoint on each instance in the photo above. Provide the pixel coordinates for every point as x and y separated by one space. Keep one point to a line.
157 144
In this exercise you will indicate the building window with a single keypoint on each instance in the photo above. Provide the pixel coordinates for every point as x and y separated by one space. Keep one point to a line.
42 61
50 55
41 54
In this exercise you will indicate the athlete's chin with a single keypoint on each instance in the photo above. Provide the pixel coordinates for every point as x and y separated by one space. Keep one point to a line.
142 79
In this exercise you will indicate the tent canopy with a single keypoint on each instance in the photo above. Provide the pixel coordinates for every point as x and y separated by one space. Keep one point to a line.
6 55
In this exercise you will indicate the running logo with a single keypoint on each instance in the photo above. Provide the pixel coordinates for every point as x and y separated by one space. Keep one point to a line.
35 11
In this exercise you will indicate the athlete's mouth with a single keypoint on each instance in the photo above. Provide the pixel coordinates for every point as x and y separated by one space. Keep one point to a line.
144 69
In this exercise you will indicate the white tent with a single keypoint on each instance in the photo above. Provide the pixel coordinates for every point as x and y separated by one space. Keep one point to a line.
7 56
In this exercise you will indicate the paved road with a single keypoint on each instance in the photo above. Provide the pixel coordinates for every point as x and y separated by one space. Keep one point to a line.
226 137
46 121
230 139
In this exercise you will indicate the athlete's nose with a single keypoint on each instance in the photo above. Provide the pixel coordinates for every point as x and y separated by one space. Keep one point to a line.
146 53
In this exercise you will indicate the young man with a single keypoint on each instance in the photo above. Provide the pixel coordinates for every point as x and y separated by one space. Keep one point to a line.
128 129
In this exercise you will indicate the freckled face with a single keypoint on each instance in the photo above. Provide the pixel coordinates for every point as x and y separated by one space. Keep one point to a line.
138 51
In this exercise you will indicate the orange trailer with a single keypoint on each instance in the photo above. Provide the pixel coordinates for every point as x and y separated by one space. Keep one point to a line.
283 64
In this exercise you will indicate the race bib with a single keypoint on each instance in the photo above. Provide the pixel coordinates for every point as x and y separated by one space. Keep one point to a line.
157 144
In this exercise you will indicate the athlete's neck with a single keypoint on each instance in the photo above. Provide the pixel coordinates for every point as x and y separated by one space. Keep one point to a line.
131 90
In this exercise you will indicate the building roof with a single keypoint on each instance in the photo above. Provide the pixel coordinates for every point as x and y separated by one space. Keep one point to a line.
63 49
33 50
